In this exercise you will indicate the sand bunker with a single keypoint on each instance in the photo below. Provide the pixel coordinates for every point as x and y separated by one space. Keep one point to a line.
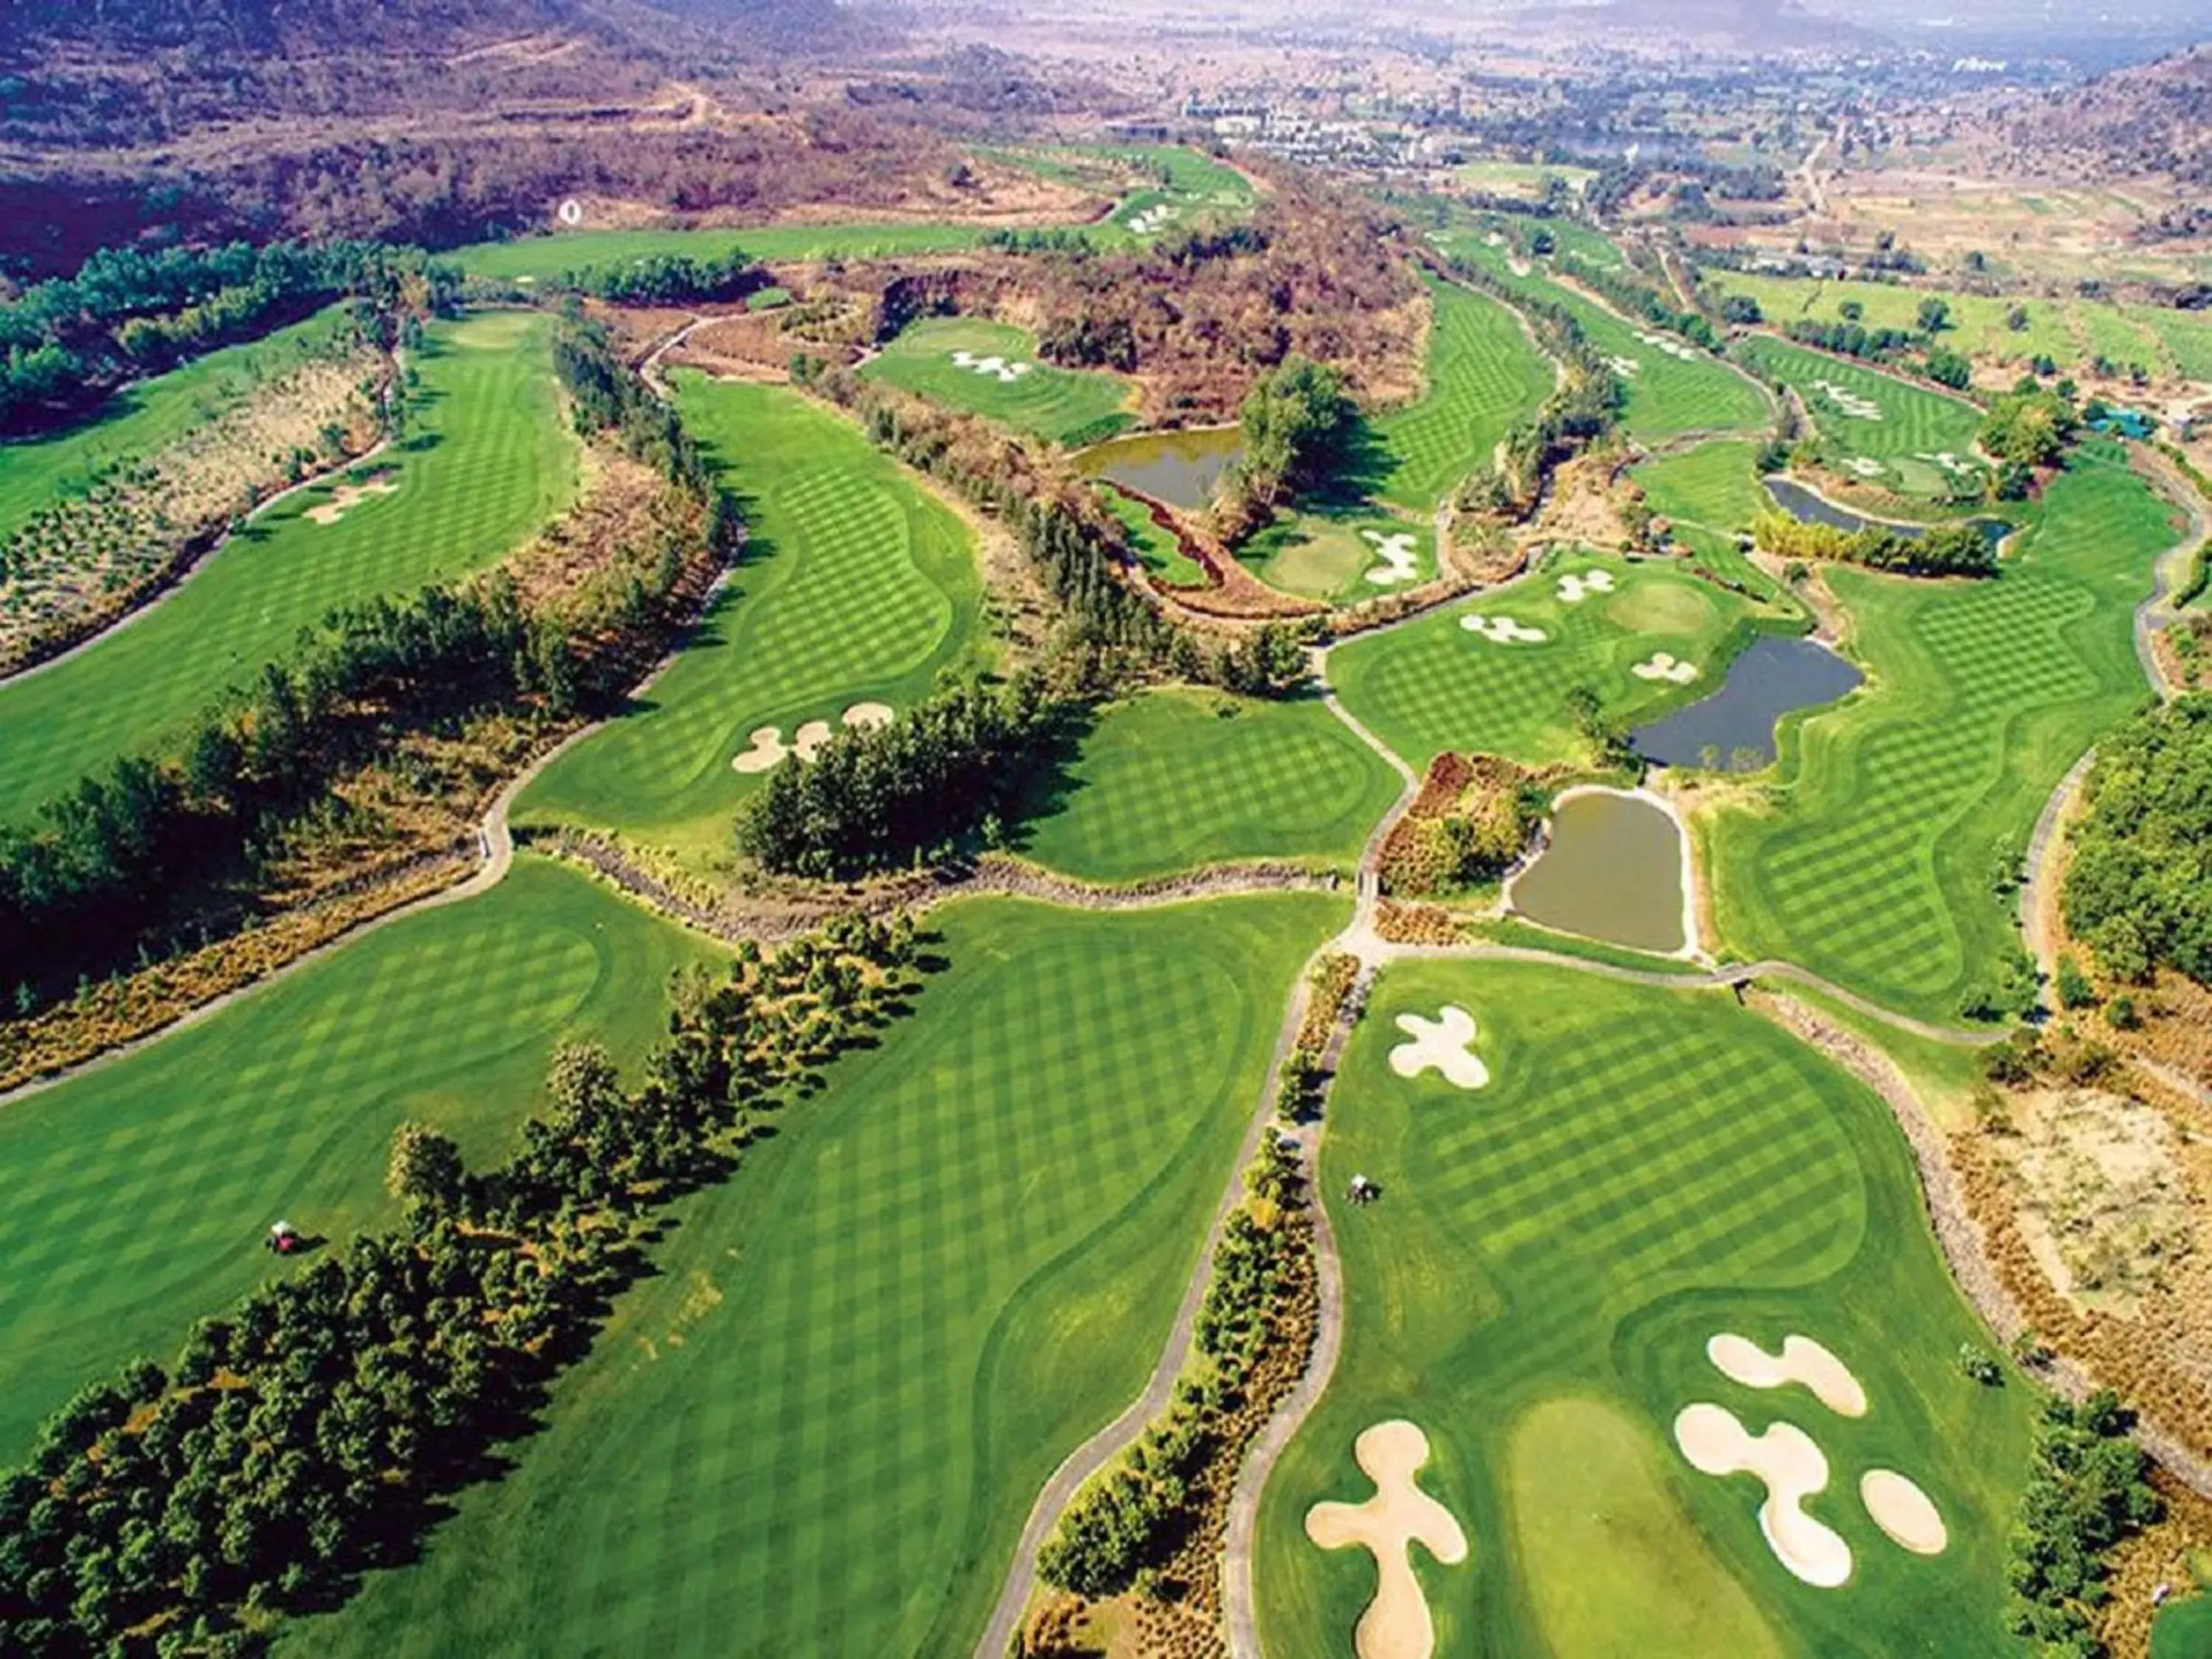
1664 665
1442 1043
1155 218
1574 589
1948 461
1906 1515
1007 373
1865 466
1624 366
810 737
1396 552
867 716
1784 1458
1502 630
1848 402
347 497
1396 1625
768 750
1801 1360
1673 347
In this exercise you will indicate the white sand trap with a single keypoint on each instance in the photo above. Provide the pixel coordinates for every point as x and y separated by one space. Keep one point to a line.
1396 552
1502 630
1627 366
348 496
768 750
1865 466
1673 347
1849 403
1665 666
1906 1515
1785 1458
867 716
1574 589
1442 1043
1947 460
1801 1360
1007 373
1155 218
811 737
1396 1625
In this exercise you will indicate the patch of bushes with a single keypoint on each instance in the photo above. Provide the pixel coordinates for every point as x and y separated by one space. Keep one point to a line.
2138 889
2087 1490
1952 549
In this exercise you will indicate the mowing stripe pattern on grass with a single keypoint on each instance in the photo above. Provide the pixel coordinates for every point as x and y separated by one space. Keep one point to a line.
1863 414
487 462
1485 376
1060 405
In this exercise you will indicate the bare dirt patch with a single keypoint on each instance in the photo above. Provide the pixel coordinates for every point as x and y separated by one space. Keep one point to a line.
2102 1200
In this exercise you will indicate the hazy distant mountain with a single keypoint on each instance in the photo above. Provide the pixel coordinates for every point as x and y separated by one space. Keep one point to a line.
1733 25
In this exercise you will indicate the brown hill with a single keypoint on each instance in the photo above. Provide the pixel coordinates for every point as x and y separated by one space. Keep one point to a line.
2150 119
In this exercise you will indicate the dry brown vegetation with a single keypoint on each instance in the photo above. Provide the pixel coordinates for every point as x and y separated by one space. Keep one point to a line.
1472 818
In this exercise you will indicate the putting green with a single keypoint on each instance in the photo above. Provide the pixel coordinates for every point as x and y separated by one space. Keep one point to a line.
139 1192
487 462
819 1429
1535 1288
1485 377
1872 865
1331 555
854 587
1166 782
963 363
1432 685
1901 431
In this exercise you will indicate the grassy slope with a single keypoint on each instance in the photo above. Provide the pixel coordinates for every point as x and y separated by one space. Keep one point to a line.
1536 1290
1057 404
820 1430
1155 547
544 258
1166 783
139 1192
1432 685
1979 325
488 462
144 418
1323 553
1484 376
855 586
1874 869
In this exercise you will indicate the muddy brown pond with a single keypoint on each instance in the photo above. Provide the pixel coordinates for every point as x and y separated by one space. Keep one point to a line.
1612 870
1179 468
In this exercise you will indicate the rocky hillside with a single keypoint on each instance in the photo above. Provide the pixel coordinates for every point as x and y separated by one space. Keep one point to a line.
2150 119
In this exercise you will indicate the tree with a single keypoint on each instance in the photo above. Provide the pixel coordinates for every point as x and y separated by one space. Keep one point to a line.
1296 423
425 1168
1934 315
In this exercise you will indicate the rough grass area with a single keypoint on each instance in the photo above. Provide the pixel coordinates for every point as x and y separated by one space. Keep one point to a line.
1485 376
1432 685
1060 405
1873 864
1535 1288
1173 780
818 1430
139 1193
487 461
1914 426
854 587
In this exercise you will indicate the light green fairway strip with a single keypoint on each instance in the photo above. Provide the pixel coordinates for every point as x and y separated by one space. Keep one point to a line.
817 1432
854 587
1432 685
1874 869
1058 404
486 463
139 1193
543 259
1485 377
1166 783
1863 413
1535 1287
146 417
1708 494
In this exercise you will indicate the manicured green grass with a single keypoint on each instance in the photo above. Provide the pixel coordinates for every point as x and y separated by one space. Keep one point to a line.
1528 179
543 258
146 417
1914 425
1326 553
854 587
1174 779
1979 323
1873 865
2187 335
1485 377
819 1429
1535 1288
2184 1629
1157 548
139 1193
487 461
1430 685
1058 404
1708 494
1667 393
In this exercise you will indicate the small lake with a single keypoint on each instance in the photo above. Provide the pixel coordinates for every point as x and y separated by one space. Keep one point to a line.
1179 468
1613 871
1809 506
1725 731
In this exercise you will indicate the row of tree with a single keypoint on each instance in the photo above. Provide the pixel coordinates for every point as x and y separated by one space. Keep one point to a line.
666 279
1642 300
311 1433
2138 889
1945 550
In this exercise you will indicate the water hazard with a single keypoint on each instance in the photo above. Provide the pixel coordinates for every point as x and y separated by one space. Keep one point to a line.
1179 468
1613 871
1733 730
1810 506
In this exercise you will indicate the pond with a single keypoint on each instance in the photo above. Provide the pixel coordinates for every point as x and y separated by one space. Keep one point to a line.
1612 869
1809 506
1733 728
1179 468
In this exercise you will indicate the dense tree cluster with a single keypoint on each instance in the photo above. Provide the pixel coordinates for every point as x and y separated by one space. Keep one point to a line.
2139 886
1943 549
1848 339
307 1435
2030 426
666 279
2087 1490
874 799
1297 421
65 343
